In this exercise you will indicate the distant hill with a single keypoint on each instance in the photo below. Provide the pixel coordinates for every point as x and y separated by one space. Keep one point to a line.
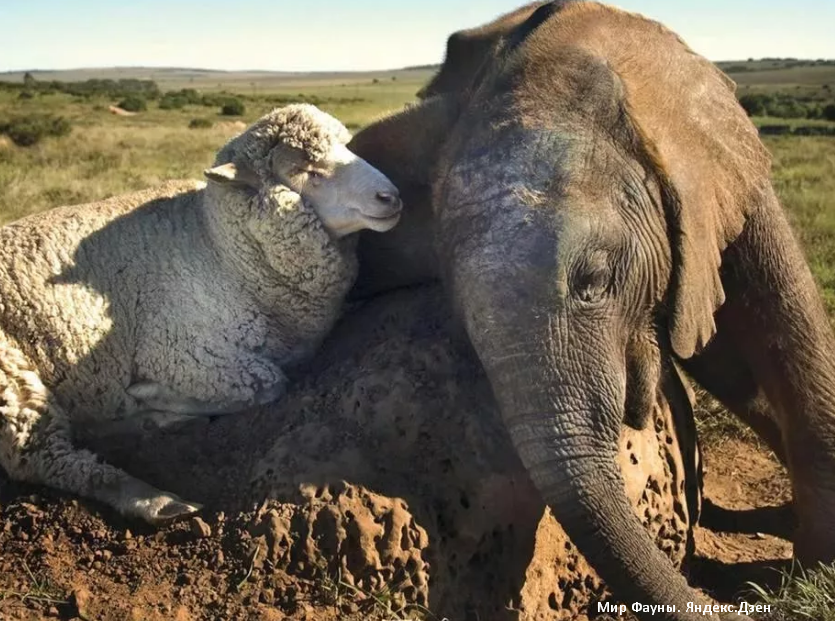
764 73
172 78
777 72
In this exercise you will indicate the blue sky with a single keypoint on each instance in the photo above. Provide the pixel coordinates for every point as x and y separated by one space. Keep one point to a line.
308 35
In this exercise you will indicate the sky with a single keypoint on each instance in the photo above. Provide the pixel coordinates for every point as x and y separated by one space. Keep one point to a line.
337 35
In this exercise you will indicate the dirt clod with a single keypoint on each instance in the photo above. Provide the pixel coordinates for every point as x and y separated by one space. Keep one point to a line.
82 599
199 528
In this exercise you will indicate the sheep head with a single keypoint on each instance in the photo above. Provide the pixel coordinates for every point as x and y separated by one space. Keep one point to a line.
303 149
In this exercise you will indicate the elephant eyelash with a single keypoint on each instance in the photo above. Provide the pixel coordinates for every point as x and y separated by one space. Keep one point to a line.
593 276
592 285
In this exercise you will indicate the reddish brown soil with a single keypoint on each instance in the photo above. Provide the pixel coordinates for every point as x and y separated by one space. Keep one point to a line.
395 406
746 523
56 548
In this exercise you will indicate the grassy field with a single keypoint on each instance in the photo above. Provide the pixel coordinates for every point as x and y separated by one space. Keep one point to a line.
106 154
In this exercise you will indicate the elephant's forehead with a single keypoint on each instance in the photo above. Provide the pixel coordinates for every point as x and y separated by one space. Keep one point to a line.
485 163
551 169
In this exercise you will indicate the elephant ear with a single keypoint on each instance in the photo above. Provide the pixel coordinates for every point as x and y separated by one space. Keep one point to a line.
712 165
467 50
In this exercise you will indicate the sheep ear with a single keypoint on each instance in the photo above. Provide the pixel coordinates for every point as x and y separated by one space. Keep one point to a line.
231 173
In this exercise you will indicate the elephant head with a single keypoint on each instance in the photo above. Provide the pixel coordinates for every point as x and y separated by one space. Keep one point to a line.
601 207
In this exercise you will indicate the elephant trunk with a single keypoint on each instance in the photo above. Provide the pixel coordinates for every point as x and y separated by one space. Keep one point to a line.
571 458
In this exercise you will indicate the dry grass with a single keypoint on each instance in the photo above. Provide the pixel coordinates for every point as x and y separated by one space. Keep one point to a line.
97 162
108 154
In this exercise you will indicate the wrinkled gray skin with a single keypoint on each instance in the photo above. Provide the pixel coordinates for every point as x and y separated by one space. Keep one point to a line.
601 202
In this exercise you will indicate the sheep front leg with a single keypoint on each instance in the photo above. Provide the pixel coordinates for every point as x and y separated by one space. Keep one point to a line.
36 447
161 399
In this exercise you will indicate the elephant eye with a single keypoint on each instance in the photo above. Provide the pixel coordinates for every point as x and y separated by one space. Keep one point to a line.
592 279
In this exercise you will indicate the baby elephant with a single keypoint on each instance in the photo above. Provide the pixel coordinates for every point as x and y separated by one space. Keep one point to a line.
183 300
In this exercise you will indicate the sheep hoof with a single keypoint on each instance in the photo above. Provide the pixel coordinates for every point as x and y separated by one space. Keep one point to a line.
178 508
165 507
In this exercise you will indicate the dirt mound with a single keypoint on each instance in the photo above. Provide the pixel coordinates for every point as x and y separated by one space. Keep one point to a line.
384 482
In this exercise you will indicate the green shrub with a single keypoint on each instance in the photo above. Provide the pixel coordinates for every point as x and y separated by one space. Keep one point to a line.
781 106
788 109
133 103
190 95
172 102
199 124
813 111
30 130
233 107
214 100
755 104
828 112
26 95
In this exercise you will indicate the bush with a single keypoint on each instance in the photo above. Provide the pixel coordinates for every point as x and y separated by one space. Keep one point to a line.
199 124
26 95
212 101
781 106
755 104
814 130
172 102
775 130
30 130
828 112
233 107
190 95
133 103
788 109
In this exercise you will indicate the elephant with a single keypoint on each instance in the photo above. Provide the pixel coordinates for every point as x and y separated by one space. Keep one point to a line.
598 207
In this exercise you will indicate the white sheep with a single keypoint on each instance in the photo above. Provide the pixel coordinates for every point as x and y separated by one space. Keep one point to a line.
183 300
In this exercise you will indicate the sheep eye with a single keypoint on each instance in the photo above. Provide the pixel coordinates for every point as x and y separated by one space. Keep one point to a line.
312 173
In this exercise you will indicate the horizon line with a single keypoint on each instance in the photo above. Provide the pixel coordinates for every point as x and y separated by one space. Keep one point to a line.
212 70
338 71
